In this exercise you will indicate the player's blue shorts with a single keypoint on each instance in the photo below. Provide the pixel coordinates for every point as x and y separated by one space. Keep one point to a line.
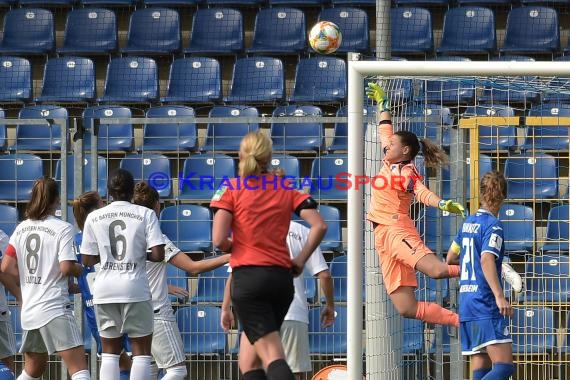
476 335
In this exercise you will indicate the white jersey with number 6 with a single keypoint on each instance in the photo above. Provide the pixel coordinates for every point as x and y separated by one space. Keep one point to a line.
40 245
120 234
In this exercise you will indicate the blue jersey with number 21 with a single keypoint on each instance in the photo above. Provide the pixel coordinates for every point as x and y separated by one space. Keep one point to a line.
481 233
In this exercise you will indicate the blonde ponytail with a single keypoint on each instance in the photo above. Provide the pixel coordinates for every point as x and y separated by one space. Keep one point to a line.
255 153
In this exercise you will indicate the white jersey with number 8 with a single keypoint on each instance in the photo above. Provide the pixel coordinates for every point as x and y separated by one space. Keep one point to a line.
120 234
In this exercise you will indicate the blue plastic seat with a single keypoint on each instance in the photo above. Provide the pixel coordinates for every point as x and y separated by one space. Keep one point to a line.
216 31
547 279
331 341
433 232
227 136
194 80
202 175
332 241
325 174
238 3
289 164
17 175
28 31
200 330
153 168
90 31
320 79
548 137
426 3
353 23
8 219
297 136
485 165
468 30
131 80
448 92
518 227
531 176
426 121
15 80
109 3
287 23
111 137
87 180
492 138
188 226
170 137
173 3
69 80
412 31
40 137
3 133
257 80
485 3
154 31
532 30
340 134
177 277
15 320
211 286
310 283
557 228
298 3
533 330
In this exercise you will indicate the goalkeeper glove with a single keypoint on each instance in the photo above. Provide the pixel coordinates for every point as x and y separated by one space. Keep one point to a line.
377 93
451 206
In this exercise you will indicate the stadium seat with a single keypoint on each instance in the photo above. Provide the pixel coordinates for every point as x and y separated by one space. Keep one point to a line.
493 138
429 120
518 227
257 80
340 133
194 80
227 136
532 30
70 218
354 3
90 31
111 137
131 80
211 285
28 31
15 80
87 180
154 31
40 137
353 23
310 287
202 175
413 336
485 165
557 229
238 3
486 3
320 79
287 23
302 136
298 3
68 80
153 168
15 319
8 219
411 31
547 279
531 176
548 136
438 237
468 30
217 31
177 277
332 241
511 90
109 3
170 137
289 164
325 174
533 330
200 330
331 341
448 92
173 3
17 175
427 288
3 133
188 226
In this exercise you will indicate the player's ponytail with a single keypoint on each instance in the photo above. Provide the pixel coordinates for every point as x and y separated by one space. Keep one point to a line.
44 200
145 195
121 185
83 205
434 156
493 190
255 153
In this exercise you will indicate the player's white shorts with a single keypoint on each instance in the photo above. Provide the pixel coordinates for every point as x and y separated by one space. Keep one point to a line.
59 334
295 339
7 340
167 348
116 319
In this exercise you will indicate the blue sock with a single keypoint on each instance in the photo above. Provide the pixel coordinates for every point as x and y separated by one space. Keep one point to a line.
479 373
500 371
125 375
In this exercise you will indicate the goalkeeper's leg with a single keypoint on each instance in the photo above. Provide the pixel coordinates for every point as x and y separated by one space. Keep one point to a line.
404 300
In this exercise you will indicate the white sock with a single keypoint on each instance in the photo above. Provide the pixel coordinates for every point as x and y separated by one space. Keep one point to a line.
109 367
25 376
81 375
141 367
175 373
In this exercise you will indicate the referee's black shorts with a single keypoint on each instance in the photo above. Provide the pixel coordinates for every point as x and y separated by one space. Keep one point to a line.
261 296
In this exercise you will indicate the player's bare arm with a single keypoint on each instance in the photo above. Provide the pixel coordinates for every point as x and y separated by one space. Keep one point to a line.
327 314
89 260
227 318
70 268
184 262
12 284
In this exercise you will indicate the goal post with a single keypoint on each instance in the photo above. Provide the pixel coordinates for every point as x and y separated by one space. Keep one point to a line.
359 237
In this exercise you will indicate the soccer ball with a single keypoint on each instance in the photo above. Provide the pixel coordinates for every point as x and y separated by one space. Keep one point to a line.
325 37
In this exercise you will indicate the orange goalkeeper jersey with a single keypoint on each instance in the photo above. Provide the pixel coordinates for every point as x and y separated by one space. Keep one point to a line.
401 181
